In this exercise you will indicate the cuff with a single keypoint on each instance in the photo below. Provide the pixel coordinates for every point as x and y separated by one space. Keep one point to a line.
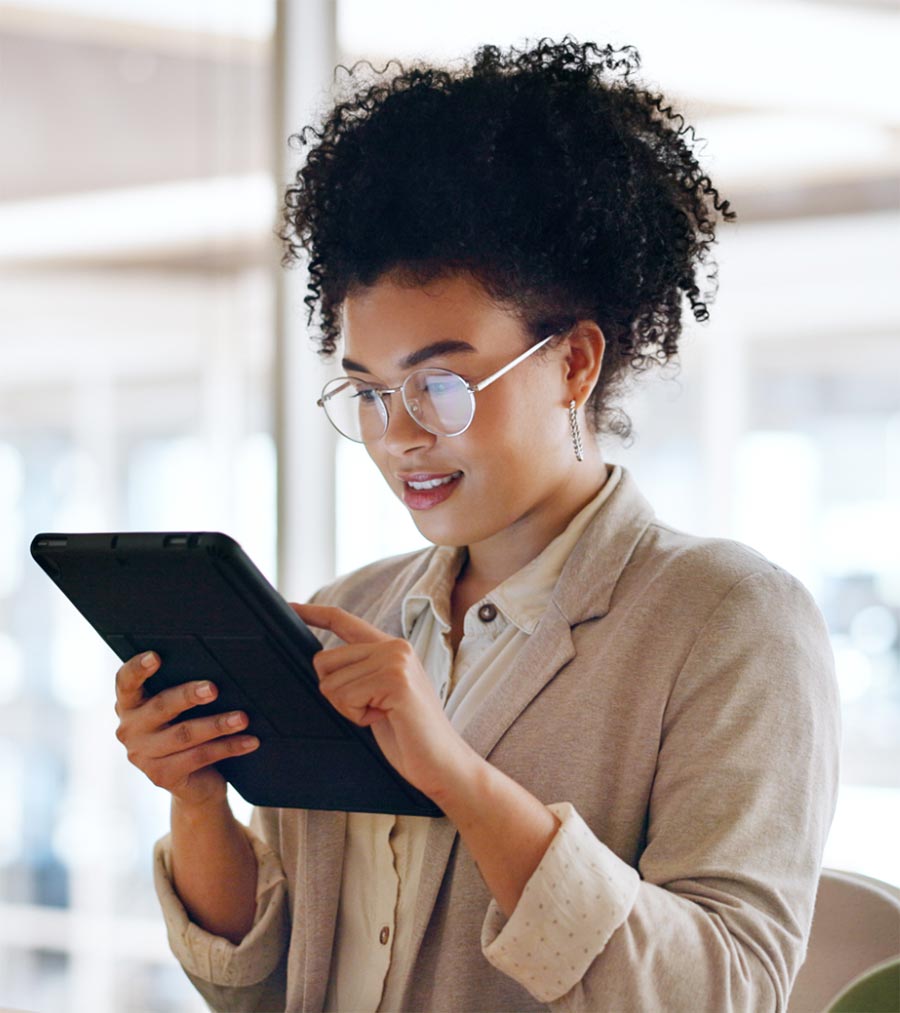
214 958
579 894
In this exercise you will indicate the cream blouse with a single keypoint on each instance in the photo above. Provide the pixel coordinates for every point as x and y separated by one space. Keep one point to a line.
383 856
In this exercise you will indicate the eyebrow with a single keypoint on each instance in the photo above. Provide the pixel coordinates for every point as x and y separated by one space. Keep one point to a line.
431 351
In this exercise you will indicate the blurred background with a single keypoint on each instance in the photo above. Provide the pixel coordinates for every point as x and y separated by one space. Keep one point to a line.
154 373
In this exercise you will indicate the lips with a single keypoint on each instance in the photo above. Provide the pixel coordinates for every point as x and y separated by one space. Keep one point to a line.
426 490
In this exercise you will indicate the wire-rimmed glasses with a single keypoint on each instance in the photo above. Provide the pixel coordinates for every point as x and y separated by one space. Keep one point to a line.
438 400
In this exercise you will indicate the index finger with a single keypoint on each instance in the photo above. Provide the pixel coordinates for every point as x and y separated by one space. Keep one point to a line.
131 677
347 626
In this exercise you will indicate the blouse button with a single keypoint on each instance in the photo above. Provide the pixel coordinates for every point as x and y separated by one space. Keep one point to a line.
487 613
384 935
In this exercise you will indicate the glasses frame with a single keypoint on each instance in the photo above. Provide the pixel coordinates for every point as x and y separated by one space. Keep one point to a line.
472 388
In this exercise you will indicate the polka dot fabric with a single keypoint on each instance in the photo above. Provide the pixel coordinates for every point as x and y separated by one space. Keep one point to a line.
213 958
576 898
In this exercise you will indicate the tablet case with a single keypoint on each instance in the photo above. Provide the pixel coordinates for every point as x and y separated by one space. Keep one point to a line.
198 601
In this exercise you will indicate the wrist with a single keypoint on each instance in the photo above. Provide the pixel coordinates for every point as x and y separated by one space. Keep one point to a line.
203 812
465 785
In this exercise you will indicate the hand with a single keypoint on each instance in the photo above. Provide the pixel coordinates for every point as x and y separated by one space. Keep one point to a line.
377 681
176 756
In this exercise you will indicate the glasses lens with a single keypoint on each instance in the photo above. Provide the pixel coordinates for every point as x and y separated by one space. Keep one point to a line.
439 401
355 409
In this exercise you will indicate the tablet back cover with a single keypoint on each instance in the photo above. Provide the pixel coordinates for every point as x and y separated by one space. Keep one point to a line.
198 601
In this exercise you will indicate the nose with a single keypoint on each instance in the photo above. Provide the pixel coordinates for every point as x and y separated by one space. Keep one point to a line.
403 433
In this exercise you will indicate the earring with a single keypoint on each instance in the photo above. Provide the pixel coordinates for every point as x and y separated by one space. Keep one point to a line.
576 431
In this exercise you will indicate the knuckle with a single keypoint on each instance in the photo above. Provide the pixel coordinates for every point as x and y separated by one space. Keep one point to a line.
156 776
159 706
399 651
184 733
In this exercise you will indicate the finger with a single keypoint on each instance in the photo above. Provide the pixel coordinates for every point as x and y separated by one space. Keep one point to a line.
131 677
362 699
170 771
343 624
184 735
169 704
349 669
389 655
332 660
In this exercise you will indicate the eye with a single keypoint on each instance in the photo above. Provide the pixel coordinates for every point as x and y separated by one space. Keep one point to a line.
438 386
366 395
363 393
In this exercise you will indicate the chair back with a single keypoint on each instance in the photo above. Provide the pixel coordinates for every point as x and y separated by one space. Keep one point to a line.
856 925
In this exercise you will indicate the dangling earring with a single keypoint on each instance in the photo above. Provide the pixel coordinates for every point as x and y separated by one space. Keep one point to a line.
576 431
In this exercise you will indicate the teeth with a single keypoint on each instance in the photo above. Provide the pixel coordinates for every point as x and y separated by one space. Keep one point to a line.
433 483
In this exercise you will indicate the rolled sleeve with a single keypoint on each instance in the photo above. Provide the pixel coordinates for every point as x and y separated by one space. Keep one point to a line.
575 900
213 958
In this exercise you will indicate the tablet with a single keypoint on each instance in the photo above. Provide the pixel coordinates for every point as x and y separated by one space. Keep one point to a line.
198 601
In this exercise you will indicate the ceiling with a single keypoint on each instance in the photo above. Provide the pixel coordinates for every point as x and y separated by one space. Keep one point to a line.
796 101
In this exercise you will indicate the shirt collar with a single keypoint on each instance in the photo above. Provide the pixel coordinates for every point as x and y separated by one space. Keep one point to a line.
433 589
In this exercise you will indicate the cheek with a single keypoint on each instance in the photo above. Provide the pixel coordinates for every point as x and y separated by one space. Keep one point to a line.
526 421
379 458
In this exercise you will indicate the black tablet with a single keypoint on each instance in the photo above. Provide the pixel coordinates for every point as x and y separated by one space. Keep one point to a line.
198 601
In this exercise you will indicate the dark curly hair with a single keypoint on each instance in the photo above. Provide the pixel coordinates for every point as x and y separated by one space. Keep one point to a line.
565 188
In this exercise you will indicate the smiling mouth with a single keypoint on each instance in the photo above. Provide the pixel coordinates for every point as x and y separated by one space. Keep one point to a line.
432 483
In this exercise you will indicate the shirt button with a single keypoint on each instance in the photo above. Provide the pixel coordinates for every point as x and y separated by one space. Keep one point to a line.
384 935
487 613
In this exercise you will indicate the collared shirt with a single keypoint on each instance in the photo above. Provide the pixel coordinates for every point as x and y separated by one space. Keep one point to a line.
383 856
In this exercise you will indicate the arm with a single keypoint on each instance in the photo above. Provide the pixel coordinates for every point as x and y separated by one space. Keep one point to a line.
208 847
377 681
222 890
739 809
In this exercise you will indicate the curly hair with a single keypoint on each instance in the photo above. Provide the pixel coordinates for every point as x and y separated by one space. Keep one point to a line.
548 174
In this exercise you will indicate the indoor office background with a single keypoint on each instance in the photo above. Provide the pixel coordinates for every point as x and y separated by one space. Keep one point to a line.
154 373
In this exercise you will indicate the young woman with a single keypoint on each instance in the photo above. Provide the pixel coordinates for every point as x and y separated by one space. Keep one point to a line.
632 731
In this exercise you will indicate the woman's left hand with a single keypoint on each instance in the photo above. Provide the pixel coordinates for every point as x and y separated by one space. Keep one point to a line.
377 681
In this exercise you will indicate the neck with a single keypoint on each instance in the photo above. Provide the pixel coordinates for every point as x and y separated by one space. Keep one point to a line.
489 563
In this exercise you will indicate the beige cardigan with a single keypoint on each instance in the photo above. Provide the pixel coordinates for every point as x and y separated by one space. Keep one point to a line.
680 693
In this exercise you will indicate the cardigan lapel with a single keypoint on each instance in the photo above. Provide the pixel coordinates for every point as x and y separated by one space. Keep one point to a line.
545 652
584 592
549 648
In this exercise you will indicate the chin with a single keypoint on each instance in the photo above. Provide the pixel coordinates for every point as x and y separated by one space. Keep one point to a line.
440 534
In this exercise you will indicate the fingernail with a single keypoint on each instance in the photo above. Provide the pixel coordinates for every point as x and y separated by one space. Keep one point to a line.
205 690
234 720
148 660
249 742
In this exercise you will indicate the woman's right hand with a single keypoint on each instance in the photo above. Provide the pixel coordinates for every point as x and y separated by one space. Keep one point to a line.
177 755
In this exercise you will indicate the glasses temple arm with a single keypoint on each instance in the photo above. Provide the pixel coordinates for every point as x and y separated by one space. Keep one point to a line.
475 387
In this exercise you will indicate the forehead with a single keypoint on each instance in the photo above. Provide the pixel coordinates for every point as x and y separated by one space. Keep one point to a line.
388 321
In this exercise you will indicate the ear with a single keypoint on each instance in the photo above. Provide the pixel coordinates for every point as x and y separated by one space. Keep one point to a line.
584 347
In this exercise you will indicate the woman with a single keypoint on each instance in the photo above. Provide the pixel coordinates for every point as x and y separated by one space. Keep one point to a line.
631 731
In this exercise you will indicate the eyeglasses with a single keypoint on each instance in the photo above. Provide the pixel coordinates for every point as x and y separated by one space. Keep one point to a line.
438 400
